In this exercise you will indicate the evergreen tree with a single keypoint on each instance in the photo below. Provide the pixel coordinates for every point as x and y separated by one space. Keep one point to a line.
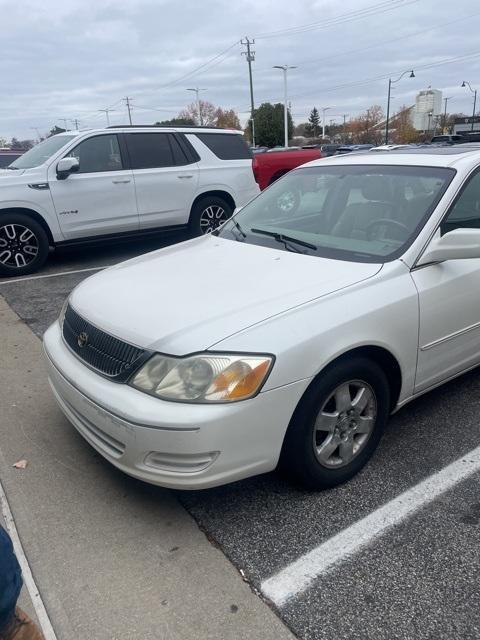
313 123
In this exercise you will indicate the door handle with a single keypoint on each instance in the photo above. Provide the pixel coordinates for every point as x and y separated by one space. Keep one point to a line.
190 175
121 181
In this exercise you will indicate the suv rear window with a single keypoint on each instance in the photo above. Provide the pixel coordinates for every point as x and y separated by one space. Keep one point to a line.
226 146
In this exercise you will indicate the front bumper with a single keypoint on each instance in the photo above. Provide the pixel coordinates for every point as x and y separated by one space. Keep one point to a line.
181 446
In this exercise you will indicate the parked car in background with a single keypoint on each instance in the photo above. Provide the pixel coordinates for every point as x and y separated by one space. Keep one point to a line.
448 139
313 329
390 147
348 148
7 156
83 187
329 149
270 166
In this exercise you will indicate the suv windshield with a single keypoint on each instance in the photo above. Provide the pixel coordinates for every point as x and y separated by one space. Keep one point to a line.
41 152
361 213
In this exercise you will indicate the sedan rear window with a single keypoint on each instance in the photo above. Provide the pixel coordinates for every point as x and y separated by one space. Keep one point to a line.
363 213
226 146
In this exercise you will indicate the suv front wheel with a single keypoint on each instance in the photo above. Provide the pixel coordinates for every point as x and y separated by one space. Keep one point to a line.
208 214
23 245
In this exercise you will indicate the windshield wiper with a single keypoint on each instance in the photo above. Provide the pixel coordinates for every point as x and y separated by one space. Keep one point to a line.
280 237
239 228
12 168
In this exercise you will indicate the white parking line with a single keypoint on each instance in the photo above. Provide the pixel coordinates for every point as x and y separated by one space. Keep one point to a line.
42 615
299 575
54 275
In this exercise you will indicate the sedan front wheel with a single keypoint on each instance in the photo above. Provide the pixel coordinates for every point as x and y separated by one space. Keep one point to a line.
337 424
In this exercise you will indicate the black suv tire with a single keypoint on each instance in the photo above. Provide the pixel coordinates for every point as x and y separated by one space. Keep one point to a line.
24 244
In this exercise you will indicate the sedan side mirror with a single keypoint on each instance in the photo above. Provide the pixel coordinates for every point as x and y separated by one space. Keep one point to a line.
66 166
459 244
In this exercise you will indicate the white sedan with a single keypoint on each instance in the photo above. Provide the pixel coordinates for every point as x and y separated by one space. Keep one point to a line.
280 339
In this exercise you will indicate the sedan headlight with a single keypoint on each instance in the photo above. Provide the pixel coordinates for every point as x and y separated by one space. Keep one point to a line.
63 311
205 377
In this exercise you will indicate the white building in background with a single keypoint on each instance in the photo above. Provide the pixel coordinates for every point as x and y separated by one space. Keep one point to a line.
428 101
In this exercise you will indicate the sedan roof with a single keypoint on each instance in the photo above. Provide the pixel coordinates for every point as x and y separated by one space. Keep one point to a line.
464 155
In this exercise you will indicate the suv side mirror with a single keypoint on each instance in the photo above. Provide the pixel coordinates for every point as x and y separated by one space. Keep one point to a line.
459 244
66 166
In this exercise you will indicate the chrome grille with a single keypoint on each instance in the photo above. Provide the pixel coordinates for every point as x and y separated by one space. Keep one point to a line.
104 353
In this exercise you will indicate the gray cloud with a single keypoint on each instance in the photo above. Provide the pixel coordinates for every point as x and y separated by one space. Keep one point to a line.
68 59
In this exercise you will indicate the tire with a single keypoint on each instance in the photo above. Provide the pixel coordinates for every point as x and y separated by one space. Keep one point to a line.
309 453
24 245
208 214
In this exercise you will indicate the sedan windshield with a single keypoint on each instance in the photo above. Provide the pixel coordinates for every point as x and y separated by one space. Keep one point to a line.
361 213
41 152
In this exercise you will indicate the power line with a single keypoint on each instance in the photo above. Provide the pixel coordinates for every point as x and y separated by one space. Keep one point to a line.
381 7
384 42
194 71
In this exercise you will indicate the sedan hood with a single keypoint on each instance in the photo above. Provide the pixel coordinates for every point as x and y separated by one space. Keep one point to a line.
190 296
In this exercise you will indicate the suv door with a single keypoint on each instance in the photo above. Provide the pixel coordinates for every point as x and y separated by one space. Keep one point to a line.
165 178
100 197
449 335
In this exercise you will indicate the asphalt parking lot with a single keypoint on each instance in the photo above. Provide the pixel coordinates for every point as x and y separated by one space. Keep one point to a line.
418 579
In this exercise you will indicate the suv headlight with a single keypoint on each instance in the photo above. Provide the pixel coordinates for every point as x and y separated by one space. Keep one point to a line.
205 377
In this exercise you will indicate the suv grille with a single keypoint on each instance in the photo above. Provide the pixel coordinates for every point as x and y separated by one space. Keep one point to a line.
108 355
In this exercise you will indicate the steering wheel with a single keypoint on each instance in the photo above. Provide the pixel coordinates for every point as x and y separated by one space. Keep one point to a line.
384 221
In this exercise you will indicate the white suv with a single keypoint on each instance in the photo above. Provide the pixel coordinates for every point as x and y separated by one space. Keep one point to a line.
79 187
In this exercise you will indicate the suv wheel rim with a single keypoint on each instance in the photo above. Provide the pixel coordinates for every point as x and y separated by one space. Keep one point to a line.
18 246
344 424
211 218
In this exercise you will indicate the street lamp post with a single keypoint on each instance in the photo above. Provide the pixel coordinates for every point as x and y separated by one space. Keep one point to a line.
390 82
474 91
324 110
285 68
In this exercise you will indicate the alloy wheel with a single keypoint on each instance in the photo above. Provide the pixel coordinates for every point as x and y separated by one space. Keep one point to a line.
211 218
344 424
18 245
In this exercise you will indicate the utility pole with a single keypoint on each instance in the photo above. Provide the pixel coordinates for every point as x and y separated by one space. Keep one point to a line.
344 116
106 112
445 114
285 68
76 123
127 102
474 91
197 91
65 120
250 57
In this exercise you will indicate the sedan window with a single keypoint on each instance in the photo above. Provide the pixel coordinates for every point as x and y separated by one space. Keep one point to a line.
366 213
465 213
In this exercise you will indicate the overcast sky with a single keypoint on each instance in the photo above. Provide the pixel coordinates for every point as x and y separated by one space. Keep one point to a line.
69 58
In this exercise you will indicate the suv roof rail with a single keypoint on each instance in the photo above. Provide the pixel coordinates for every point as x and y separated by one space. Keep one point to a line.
168 126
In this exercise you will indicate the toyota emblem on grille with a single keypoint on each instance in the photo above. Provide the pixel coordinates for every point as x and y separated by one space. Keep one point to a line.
82 339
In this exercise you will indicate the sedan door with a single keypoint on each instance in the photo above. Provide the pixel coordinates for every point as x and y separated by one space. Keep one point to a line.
100 197
449 332
165 179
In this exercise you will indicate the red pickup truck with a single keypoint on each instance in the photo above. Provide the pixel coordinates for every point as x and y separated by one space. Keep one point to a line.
268 167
